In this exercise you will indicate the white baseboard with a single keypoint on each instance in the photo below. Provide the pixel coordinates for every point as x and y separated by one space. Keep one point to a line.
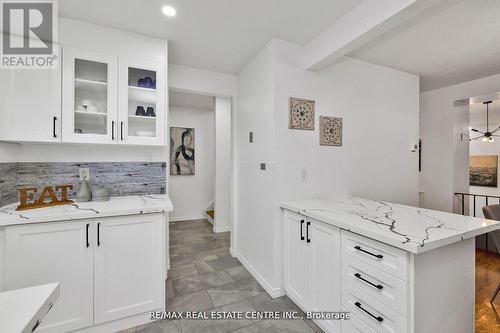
224 229
120 324
273 292
186 218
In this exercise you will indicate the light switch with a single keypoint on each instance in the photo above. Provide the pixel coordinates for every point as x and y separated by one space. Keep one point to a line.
304 177
250 137
84 174
263 166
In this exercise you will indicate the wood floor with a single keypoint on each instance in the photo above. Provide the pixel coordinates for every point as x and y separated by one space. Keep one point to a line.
487 279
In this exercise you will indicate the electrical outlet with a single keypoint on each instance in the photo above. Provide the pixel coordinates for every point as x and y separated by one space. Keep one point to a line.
84 174
250 137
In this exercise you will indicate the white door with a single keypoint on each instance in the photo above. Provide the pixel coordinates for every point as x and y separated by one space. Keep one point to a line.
30 105
142 106
325 271
54 252
89 97
128 266
296 260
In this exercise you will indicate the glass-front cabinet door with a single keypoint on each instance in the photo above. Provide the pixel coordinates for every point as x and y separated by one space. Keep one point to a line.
89 97
141 102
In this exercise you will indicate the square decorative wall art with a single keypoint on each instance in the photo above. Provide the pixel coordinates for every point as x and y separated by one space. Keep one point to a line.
181 151
483 170
330 131
301 114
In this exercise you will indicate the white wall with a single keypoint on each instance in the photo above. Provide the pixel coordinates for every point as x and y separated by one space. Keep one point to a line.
191 195
222 164
253 230
201 81
440 177
379 107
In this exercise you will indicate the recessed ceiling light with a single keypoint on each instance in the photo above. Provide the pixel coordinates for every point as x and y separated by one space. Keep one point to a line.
169 11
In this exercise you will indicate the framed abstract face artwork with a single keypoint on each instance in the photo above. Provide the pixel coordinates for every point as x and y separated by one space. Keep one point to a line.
182 161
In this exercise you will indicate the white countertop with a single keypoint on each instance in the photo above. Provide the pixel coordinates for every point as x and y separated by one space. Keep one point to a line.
116 206
21 309
412 229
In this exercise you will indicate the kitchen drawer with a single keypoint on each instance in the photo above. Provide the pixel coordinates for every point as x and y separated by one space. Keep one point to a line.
368 310
381 286
384 257
355 325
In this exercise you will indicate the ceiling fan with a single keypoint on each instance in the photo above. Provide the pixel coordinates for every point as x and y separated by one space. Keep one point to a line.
486 136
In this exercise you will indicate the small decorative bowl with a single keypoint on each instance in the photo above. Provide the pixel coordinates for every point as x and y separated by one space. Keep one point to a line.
101 194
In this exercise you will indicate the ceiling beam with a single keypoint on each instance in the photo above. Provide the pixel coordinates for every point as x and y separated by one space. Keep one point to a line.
365 22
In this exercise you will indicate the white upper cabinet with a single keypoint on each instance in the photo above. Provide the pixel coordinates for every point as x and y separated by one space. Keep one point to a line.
30 105
110 88
112 100
89 97
141 102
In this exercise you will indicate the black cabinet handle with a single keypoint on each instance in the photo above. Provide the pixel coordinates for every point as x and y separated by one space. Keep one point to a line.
378 286
88 244
35 326
307 232
54 132
98 234
378 318
368 252
301 229
113 130
121 130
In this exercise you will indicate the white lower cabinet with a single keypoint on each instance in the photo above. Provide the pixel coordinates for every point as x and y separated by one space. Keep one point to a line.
296 260
312 261
385 289
108 268
325 275
381 318
54 252
128 267
355 325
331 270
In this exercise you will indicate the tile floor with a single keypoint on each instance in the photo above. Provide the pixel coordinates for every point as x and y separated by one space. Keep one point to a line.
204 276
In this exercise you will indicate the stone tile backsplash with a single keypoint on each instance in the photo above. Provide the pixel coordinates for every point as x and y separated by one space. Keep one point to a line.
122 178
8 183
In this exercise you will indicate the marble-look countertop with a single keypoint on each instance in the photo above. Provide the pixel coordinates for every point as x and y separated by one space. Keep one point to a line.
415 230
21 309
116 206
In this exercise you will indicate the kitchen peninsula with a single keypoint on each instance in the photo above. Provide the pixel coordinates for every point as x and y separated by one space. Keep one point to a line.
396 268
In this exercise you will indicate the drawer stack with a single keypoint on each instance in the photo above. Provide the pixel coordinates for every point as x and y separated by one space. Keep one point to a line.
375 288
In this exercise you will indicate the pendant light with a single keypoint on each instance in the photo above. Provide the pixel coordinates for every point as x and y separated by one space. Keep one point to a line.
486 136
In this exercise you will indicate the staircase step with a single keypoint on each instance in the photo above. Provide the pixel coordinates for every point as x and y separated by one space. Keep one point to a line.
211 213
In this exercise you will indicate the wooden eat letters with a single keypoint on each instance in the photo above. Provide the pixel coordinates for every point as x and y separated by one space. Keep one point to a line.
47 197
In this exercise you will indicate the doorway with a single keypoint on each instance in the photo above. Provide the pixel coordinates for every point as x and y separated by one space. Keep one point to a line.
475 186
200 158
